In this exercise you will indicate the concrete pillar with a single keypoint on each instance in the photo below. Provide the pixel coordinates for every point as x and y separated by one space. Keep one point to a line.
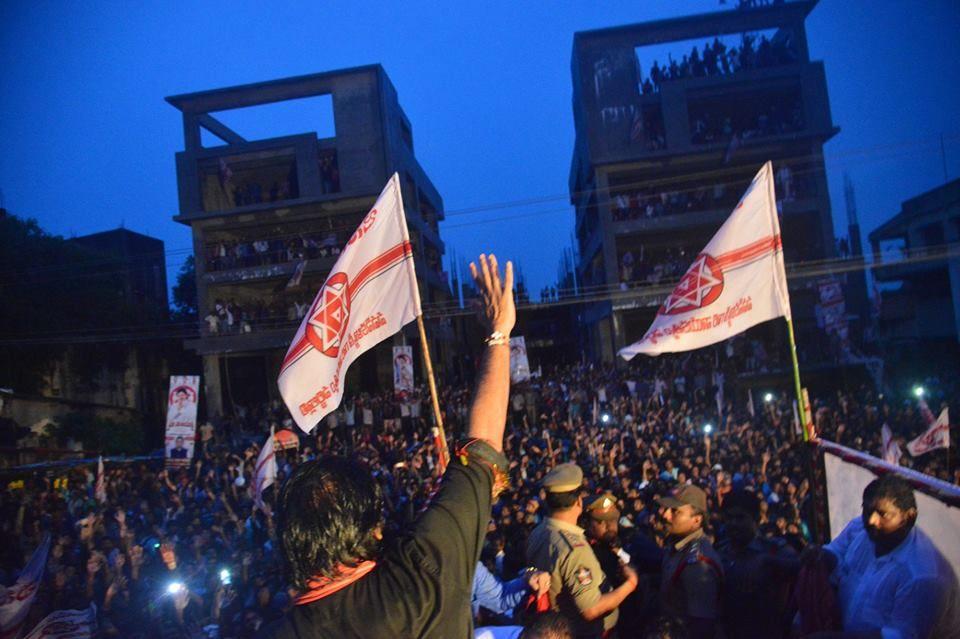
212 385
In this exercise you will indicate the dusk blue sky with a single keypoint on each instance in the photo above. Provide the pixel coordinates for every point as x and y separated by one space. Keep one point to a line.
89 142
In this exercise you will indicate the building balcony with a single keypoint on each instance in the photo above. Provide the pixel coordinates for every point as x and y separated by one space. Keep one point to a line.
704 115
267 271
257 340
253 176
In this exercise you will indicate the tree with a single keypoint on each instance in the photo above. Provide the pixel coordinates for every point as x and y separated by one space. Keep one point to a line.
185 292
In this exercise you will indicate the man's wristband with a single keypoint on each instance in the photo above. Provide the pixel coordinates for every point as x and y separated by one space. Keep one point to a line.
496 338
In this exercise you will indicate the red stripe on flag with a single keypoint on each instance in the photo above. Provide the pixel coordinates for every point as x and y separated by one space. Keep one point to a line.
265 460
750 251
380 263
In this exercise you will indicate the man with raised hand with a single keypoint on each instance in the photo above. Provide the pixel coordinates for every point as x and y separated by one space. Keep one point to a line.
330 517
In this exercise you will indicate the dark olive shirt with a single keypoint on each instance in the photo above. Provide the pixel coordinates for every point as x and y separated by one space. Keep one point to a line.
421 586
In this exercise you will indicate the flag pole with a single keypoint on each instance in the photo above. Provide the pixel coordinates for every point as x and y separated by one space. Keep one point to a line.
428 366
425 348
801 408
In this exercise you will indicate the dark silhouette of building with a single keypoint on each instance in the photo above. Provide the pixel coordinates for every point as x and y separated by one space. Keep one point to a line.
667 141
916 261
142 266
261 209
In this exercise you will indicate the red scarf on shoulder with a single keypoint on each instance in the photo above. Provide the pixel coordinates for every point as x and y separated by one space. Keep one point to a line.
321 587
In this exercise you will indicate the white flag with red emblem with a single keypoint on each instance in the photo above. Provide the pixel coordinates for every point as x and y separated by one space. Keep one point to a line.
67 624
370 294
265 472
937 436
737 281
15 601
100 491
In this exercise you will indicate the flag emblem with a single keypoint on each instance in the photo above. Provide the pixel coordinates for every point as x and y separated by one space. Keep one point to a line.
700 286
328 317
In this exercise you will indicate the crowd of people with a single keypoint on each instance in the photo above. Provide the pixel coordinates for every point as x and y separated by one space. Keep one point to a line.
632 204
230 316
710 124
183 552
637 268
716 59
226 189
248 252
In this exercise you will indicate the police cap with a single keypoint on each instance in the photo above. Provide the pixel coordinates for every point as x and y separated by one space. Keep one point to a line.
563 479
603 507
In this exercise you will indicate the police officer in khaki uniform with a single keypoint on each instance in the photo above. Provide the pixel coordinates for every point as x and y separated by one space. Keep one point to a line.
691 573
579 589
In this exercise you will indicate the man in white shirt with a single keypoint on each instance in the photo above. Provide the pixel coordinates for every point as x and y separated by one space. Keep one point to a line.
891 580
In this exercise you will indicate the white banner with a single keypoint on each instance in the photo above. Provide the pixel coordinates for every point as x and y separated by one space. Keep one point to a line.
181 419
519 365
67 624
737 281
15 601
890 448
847 479
370 294
402 369
265 472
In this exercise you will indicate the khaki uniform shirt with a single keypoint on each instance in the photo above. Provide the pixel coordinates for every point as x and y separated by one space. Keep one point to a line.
576 579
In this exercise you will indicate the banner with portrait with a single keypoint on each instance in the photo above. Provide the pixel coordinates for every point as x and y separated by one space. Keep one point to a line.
519 364
402 369
181 419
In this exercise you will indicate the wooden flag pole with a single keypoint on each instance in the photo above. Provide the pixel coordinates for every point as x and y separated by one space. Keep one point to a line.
428 366
801 408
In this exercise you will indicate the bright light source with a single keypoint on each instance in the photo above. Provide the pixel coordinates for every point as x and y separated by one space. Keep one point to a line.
768 397
224 575
919 391
174 588
707 429
605 418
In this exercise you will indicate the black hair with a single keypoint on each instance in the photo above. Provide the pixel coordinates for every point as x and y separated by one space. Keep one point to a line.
892 487
549 625
562 501
329 513
744 500
667 628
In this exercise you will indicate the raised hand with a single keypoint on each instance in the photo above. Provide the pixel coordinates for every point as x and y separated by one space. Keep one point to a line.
498 312
94 564
136 556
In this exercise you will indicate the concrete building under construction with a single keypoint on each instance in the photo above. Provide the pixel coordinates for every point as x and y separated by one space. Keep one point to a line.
270 216
673 118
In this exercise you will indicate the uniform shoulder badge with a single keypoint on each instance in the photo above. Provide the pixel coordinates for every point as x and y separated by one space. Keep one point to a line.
584 576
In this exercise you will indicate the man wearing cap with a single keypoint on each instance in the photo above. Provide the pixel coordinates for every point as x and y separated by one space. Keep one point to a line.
579 588
691 574
603 533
